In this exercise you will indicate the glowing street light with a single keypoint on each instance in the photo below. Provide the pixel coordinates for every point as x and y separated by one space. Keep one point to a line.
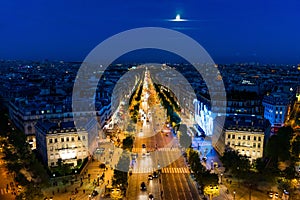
211 191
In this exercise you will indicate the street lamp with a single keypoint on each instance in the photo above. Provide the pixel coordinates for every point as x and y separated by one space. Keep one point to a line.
221 177
233 194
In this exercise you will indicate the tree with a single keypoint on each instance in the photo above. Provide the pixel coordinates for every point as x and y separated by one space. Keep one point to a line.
284 136
203 176
235 162
296 148
281 139
121 172
128 143
184 139
259 164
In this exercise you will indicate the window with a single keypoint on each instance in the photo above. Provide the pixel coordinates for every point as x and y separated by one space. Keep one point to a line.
62 139
228 143
259 139
254 145
72 139
244 137
67 139
239 137
78 137
258 145
55 140
248 137
254 138
50 141
83 137
228 136
233 136
52 163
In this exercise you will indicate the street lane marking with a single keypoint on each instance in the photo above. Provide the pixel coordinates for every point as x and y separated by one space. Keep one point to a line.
165 170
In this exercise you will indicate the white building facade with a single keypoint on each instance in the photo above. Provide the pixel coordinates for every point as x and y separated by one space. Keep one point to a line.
61 142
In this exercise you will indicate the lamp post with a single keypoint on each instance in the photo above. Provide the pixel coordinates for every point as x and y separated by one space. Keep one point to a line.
221 177
234 195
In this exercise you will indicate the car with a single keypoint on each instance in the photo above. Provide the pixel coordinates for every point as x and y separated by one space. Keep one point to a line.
276 195
150 177
147 153
143 155
155 174
270 194
94 193
143 186
151 197
143 146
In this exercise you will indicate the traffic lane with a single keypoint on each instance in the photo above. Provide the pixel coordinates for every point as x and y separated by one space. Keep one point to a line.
179 186
159 140
183 184
134 190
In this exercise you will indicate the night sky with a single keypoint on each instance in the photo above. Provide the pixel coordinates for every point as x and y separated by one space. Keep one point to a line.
265 31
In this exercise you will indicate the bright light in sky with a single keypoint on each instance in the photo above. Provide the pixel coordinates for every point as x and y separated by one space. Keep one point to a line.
178 19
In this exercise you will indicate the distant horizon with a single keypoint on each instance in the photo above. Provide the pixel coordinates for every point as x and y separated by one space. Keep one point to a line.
145 62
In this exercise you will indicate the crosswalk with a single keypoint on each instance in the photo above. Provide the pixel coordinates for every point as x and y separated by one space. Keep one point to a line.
138 150
165 170
3 191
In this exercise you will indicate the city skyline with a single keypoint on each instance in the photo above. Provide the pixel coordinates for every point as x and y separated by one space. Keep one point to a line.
234 31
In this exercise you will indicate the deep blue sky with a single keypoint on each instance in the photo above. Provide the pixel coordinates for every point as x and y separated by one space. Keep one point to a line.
266 31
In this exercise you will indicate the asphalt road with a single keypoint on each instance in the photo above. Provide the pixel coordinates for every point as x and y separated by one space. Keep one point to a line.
174 181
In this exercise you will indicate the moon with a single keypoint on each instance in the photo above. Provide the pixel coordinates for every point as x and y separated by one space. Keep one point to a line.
178 19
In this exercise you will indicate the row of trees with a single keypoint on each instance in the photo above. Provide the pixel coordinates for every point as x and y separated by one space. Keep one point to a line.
18 156
120 178
169 104
184 138
202 176
134 103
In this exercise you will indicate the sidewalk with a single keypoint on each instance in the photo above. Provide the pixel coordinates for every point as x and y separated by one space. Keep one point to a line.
66 192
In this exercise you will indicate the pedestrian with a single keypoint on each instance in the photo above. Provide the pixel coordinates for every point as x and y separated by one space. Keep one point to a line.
53 193
83 191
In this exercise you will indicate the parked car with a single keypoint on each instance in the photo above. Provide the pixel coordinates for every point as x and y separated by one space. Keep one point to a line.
155 174
151 197
94 193
143 186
